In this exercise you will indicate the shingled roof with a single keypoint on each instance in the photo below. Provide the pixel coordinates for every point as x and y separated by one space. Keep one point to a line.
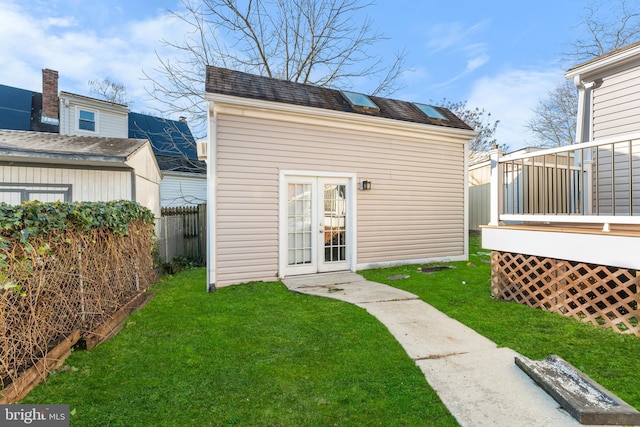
235 83
60 148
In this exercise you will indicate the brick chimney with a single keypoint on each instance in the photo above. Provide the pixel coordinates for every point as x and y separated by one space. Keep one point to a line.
50 105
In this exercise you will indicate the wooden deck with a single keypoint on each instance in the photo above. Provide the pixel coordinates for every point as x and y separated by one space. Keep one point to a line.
626 230
582 242
574 269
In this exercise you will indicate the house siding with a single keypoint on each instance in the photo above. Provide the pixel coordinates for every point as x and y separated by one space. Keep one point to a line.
110 124
618 164
87 185
183 190
414 211
148 177
615 104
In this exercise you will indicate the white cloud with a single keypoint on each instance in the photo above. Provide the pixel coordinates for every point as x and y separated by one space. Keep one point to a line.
453 35
476 62
63 22
460 45
79 52
472 64
510 97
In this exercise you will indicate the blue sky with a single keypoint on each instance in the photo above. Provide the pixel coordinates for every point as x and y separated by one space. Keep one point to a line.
500 56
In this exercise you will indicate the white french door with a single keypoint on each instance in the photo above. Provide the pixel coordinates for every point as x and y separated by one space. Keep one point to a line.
318 235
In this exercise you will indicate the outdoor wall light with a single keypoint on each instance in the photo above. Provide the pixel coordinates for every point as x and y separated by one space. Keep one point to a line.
365 185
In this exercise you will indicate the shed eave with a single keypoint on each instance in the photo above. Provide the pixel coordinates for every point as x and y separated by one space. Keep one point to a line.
219 101
56 158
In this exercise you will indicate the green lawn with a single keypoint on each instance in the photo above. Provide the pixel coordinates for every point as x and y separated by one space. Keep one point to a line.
259 355
464 294
250 355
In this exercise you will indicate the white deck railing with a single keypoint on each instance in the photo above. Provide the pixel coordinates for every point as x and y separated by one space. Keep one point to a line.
591 182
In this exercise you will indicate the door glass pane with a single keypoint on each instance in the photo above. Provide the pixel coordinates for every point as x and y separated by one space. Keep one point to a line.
299 228
335 214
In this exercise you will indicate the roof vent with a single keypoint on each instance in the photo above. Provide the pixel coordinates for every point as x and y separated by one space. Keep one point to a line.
360 101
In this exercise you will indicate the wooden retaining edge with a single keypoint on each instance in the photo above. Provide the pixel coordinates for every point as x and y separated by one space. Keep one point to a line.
116 322
33 376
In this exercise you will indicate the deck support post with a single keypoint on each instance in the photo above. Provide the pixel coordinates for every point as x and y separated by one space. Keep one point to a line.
496 187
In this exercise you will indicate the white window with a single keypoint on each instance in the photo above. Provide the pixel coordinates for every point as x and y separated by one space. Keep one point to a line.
16 193
87 120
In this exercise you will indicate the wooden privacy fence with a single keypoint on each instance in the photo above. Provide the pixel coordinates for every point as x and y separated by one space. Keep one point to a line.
602 295
183 232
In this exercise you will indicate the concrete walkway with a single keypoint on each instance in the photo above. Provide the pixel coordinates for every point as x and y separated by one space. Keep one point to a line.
477 381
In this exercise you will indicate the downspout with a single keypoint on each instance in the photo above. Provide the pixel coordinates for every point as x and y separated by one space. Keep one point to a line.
583 134
211 199
583 122
134 178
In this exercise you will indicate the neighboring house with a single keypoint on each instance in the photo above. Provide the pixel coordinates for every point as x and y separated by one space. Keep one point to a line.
183 175
82 115
50 167
184 181
305 179
565 222
72 148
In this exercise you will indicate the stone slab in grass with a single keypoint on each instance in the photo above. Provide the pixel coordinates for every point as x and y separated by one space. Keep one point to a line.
586 401
398 277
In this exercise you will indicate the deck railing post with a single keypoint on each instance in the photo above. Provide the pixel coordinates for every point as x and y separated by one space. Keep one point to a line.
587 208
496 205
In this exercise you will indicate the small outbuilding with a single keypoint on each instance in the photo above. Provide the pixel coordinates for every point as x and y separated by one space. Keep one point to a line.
50 167
304 179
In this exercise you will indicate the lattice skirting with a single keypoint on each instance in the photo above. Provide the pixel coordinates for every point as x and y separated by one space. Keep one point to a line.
603 295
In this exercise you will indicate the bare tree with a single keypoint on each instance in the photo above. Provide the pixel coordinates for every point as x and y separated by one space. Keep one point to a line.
480 120
607 25
318 42
554 121
110 91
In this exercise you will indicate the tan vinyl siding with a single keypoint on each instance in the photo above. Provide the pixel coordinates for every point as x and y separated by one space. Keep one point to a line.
615 104
86 185
414 211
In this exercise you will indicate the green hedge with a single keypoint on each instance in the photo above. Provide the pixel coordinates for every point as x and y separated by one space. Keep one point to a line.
32 219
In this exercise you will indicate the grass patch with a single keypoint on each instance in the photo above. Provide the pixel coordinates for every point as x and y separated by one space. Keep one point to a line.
254 354
464 294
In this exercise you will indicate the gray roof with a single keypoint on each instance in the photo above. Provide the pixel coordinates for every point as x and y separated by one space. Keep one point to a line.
41 146
244 85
